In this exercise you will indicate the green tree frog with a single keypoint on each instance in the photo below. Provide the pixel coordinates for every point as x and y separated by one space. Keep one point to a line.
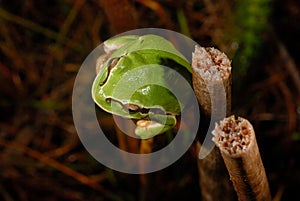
152 106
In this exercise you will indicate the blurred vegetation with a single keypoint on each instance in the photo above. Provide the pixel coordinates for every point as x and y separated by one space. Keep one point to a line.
252 22
43 44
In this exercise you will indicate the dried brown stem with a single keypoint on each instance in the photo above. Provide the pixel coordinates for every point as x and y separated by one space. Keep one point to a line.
145 148
213 177
289 64
121 15
211 82
236 139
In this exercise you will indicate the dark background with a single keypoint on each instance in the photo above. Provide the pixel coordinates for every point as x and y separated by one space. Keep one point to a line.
43 44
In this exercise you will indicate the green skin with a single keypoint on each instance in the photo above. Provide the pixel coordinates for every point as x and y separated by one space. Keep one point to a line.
122 71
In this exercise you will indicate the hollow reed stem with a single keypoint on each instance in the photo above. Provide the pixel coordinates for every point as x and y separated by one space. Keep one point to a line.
236 140
211 82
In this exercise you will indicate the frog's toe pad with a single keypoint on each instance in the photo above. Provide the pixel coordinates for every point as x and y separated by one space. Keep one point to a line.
146 129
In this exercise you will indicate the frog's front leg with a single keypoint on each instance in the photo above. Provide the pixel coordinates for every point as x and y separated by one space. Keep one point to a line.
158 124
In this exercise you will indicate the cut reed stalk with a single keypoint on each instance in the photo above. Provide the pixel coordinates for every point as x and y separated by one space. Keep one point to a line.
211 75
236 140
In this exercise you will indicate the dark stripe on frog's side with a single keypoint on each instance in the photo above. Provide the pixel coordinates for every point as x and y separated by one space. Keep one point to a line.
111 65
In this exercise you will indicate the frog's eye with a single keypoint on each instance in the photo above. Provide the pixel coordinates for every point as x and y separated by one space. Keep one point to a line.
131 108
